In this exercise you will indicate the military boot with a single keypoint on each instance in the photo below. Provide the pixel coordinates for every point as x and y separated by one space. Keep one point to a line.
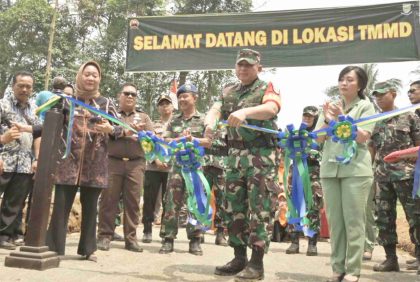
195 247
294 247
167 246
147 233
413 265
391 262
234 266
220 237
312 250
254 270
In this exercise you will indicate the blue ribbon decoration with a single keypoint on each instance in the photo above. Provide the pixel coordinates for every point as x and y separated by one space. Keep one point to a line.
186 155
298 144
345 132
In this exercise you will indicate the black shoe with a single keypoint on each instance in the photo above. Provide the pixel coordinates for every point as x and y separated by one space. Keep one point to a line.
254 270
220 238
167 246
7 245
195 247
312 250
234 266
103 244
117 237
147 238
336 277
390 264
133 247
294 247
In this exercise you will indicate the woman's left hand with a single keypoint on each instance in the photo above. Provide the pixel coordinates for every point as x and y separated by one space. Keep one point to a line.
104 127
336 109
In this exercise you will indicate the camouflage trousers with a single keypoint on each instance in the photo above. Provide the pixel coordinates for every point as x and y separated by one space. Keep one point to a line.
386 213
317 204
251 196
175 197
216 178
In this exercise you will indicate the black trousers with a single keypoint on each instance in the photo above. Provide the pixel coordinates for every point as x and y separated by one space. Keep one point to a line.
15 188
153 180
57 230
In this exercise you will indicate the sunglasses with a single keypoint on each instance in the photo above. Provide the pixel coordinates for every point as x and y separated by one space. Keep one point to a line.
132 94
411 91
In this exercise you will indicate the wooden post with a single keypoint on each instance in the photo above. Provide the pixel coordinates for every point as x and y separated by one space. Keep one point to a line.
35 255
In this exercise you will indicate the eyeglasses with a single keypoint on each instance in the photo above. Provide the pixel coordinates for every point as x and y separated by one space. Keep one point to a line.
411 91
132 94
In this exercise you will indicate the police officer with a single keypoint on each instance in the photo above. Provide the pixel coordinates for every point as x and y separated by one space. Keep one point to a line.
126 171
189 123
156 176
310 117
395 180
251 174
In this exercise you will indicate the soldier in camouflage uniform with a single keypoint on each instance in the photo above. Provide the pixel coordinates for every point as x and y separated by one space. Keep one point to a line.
310 117
214 171
189 124
251 174
395 180
414 96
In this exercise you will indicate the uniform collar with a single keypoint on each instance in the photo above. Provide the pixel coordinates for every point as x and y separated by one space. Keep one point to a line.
353 103
249 88
197 114
120 111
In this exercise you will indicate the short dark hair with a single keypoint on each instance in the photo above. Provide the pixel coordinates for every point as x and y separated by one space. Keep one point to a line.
59 83
362 78
21 73
127 84
417 82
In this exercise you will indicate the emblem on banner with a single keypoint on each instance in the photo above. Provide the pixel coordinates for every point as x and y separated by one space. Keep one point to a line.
406 9
134 24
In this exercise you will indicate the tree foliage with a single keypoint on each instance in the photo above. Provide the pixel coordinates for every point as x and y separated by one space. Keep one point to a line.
97 30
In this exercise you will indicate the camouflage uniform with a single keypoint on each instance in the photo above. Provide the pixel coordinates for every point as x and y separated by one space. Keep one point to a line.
176 195
395 180
251 174
214 172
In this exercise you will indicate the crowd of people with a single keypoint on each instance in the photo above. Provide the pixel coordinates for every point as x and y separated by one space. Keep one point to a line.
107 166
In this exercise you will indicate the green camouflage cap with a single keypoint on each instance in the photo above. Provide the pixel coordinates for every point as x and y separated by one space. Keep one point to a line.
251 56
311 110
382 88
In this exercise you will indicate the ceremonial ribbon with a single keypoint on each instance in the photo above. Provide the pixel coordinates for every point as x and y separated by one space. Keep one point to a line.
344 131
154 147
47 105
298 144
187 155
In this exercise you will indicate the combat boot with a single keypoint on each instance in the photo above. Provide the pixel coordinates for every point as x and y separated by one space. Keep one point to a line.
312 250
195 247
254 270
391 262
294 247
234 266
167 246
220 237
147 233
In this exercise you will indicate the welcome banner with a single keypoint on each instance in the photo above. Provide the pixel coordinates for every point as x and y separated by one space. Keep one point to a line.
365 34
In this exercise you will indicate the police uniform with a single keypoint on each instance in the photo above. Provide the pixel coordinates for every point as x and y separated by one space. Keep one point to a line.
156 178
126 171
